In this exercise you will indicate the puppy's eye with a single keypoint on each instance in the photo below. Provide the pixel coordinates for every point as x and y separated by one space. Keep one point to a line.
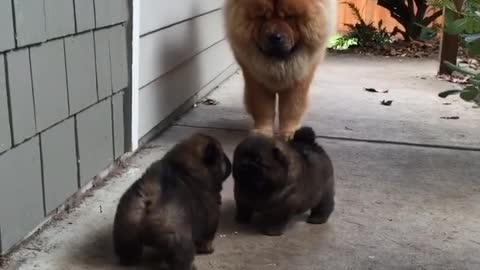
267 15
290 17
255 158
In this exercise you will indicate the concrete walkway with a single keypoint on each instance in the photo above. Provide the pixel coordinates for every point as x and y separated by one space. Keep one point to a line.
408 181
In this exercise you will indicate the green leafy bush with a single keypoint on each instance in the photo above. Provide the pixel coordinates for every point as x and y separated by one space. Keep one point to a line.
466 23
340 42
363 34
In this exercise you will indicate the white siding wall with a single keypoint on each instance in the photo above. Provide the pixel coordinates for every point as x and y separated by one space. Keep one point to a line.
182 49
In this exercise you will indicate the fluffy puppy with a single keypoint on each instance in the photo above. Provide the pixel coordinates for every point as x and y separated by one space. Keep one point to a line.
281 179
278 44
175 205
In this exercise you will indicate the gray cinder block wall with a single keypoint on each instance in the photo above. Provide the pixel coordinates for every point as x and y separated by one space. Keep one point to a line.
63 80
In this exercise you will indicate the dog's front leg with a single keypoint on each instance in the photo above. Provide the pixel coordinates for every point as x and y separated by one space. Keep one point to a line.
260 104
292 105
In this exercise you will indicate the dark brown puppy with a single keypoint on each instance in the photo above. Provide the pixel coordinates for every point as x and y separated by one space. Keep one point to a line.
175 205
281 179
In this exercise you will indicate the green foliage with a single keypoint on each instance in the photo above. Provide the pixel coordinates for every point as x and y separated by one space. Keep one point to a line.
363 34
464 21
429 33
342 42
413 15
469 93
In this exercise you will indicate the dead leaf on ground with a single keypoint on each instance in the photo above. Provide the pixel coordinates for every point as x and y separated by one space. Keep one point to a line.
210 102
386 102
455 78
373 90
450 117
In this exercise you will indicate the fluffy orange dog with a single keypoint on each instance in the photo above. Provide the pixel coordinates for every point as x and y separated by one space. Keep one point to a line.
278 44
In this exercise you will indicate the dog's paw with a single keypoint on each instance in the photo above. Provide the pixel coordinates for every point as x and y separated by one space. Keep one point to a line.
286 135
262 131
317 220
205 248
272 231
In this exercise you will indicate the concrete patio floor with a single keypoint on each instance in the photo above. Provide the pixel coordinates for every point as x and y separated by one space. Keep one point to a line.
408 181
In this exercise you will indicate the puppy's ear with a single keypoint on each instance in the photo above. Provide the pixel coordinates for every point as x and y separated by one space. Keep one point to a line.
211 153
280 157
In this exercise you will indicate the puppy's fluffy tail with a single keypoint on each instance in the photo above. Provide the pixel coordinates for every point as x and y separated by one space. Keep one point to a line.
304 135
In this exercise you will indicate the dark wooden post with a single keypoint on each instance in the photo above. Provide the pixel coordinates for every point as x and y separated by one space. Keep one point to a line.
449 44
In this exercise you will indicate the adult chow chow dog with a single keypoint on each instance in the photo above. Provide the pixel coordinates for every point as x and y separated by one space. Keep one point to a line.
278 44
280 179
175 205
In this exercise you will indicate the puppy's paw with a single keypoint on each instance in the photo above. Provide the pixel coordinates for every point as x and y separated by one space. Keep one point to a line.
130 261
243 217
205 248
273 231
317 219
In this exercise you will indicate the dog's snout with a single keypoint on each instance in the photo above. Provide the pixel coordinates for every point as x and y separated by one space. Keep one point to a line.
276 44
245 166
248 168
276 39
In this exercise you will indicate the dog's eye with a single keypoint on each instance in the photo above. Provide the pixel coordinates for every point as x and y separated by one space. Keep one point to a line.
256 159
267 15
290 17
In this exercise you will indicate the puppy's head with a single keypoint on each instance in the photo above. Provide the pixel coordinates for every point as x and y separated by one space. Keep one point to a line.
260 165
279 27
202 155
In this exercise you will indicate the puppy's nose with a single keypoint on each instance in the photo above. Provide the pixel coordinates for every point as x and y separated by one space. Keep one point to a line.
276 39
245 167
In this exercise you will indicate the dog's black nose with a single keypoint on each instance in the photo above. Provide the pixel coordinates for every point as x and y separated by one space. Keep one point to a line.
276 39
245 167
276 45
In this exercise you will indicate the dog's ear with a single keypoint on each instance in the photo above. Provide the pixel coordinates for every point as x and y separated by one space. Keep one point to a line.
279 156
211 153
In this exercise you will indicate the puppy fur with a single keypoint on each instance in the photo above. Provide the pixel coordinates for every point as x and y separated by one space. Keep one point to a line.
175 205
278 44
280 179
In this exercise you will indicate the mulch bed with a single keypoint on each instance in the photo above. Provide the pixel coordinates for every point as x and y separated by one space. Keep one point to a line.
418 49
414 49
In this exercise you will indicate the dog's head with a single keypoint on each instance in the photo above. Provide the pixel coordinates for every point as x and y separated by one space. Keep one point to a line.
260 165
202 155
278 28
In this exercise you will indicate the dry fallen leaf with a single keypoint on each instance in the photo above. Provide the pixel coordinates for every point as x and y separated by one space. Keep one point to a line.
386 102
454 78
210 101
